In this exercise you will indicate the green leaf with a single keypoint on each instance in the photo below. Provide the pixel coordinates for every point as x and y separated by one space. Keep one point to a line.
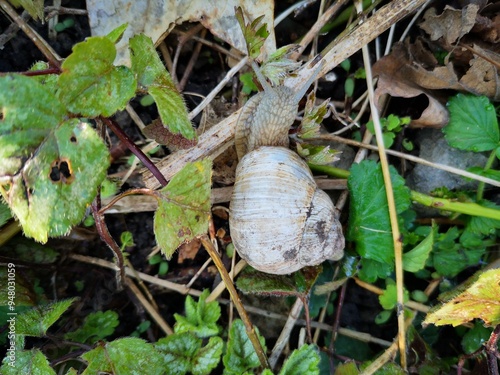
184 207
95 327
484 225
254 33
34 8
313 116
489 173
299 283
475 338
450 257
414 260
53 166
23 294
32 362
249 85
369 224
318 155
348 368
201 317
90 84
183 353
303 361
116 34
370 270
240 355
476 299
473 124
124 356
388 299
153 77
36 321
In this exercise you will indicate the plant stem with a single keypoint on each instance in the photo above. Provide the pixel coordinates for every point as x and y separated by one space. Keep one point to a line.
492 351
489 164
236 299
135 150
467 208
102 229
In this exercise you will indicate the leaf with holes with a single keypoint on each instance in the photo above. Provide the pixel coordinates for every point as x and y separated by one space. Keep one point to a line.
476 299
152 76
90 84
50 167
184 207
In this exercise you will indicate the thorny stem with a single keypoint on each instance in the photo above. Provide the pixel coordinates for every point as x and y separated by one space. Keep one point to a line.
135 150
236 299
102 229
48 52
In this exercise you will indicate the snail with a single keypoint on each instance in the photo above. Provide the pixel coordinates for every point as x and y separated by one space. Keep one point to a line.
279 220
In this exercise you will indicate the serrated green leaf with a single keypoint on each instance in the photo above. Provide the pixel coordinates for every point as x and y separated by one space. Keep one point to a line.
129 355
414 260
298 283
254 33
484 225
313 116
370 270
90 84
153 77
278 65
303 361
477 299
318 155
32 362
116 34
201 317
51 191
29 114
240 354
36 321
184 207
489 173
95 327
388 299
450 257
473 124
369 224
208 357
183 353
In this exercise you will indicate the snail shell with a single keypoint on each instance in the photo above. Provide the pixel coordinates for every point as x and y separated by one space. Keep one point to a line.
280 221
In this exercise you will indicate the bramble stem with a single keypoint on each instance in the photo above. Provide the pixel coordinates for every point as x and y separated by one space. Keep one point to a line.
135 150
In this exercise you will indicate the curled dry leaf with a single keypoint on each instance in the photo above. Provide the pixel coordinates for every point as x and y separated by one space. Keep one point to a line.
156 19
399 77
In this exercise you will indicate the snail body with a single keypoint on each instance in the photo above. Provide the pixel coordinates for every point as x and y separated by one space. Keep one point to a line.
279 220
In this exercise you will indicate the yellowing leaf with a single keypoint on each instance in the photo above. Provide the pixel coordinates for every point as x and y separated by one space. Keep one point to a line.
478 299
184 207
